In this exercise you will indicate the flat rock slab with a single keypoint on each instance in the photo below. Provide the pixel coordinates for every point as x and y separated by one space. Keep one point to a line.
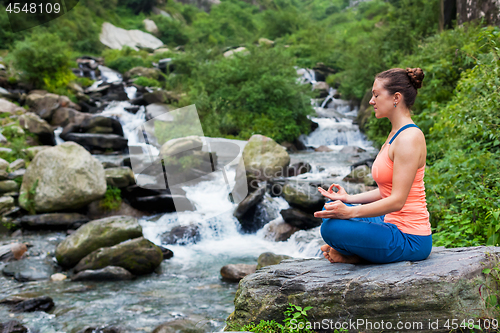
444 286
29 270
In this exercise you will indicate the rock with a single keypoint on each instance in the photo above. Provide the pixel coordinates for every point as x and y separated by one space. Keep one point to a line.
298 169
278 230
161 50
95 211
250 201
13 251
300 219
265 41
159 112
100 142
322 88
94 235
58 277
119 177
323 149
269 258
23 304
54 221
167 254
8 186
100 329
150 26
182 235
264 158
66 176
180 326
360 174
4 165
150 73
352 150
241 50
303 196
32 151
109 273
94 123
444 286
161 96
43 105
6 204
236 272
139 256
29 269
180 145
34 124
116 38
162 203
13 326
16 174
64 116
17 164
9 107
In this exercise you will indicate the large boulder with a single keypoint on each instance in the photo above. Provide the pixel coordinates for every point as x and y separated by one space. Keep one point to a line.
138 256
304 196
116 38
449 284
63 177
94 235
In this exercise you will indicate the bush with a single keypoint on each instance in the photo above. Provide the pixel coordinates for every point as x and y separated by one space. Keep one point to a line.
112 199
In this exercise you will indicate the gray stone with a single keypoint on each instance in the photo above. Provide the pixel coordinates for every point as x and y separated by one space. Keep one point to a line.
17 164
34 124
269 258
67 176
278 230
4 165
444 286
94 235
302 220
98 141
116 38
138 256
32 151
53 221
13 326
24 304
181 235
8 186
6 204
150 26
110 273
9 107
29 270
303 196
181 326
119 177
236 272
43 105
251 200
177 146
150 73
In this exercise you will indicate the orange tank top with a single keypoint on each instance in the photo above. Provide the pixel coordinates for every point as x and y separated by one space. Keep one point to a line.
413 218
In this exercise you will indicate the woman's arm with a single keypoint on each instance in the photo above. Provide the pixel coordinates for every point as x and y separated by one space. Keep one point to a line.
405 169
363 198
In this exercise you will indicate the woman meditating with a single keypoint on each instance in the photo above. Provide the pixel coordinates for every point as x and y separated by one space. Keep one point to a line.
392 224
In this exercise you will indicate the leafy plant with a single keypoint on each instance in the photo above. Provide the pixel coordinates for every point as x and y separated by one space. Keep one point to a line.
29 198
112 199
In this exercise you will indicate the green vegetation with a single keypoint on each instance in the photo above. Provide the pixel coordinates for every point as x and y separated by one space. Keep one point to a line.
112 199
29 198
16 140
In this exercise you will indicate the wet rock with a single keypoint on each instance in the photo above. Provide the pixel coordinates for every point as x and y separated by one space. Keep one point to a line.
22 304
360 174
352 150
94 235
8 186
54 221
236 272
300 219
34 124
180 326
181 235
14 251
269 258
321 88
139 256
116 38
167 254
109 273
250 201
119 177
89 125
323 149
100 329
445 285
162 203
17 164
304 196
98 142
13 326
298 169
278 230
65 176
29 269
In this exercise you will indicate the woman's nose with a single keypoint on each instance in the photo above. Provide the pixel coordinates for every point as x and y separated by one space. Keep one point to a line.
372 101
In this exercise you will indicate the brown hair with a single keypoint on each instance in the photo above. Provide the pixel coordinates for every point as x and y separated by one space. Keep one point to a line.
405 81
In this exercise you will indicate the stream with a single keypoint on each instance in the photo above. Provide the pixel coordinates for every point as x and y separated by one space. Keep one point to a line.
189 284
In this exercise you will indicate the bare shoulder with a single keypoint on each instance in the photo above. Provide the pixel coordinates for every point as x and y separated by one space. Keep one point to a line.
410 144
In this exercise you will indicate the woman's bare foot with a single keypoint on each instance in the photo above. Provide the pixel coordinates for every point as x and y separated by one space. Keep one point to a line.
334 256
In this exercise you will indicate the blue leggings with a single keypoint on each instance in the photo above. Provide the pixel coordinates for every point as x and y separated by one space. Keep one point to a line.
374 240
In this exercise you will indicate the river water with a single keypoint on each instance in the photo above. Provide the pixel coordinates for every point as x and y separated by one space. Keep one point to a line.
189 284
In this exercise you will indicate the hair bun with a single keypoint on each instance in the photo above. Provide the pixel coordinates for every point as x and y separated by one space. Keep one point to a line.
416 76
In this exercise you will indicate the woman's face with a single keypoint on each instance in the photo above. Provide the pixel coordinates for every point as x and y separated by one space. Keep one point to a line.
382 102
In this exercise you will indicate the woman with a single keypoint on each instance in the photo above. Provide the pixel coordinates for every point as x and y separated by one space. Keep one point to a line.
393 222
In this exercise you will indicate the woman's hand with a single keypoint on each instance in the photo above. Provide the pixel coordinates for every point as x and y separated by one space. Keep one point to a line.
341 194
336 210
